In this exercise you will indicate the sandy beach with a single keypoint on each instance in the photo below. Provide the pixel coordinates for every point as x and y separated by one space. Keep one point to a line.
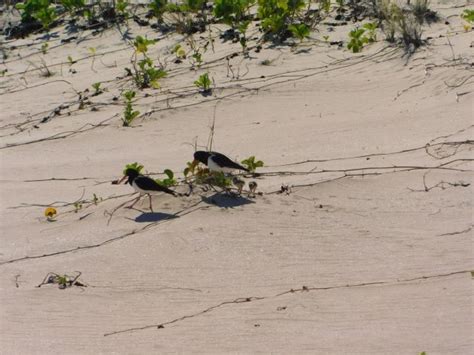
359 241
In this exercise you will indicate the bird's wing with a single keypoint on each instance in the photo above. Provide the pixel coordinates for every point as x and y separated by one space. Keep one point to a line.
146 183
222 160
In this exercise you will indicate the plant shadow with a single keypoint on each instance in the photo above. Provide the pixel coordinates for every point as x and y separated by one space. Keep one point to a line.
226 201
154 217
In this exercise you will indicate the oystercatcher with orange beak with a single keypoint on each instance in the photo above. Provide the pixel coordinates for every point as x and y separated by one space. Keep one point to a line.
144 185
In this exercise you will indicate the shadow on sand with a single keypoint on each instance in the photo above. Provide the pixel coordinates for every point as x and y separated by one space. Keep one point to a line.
154 217
226 201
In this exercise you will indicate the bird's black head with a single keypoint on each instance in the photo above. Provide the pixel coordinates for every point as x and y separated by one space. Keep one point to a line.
132 174
202 156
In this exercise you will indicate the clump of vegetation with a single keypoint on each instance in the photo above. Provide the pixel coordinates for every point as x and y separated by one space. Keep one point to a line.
63 281
188 17
300 31
401 25
361 36
219 179
129 113
97 89
179 51
204 84
145 73
96 199
37 10
236 14
468 16
422 11
252 164
73 5
135 166
169 181
77 206
158 8
44 48
277 15
357 40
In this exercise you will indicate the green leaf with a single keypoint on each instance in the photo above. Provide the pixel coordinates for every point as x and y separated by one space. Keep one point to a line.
135 166
468 15
169 173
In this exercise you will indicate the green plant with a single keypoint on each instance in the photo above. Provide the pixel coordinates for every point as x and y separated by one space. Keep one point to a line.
468 15
40 10
129 113
145 74
148 75
97 89
77 206
232 12
220 179
276 15
204 83
242 27
63 281
410 31
70 60
135 166
300 31
422 12
190 168
252 164
158 8
325 5
73 5
169 181
95 199
357 40
44 48
194 5
141 44
121 7
179 52
370 28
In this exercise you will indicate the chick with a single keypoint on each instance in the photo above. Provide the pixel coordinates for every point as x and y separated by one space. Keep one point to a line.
239 183
252 188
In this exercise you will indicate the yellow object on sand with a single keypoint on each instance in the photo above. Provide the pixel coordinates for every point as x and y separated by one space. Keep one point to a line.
50 212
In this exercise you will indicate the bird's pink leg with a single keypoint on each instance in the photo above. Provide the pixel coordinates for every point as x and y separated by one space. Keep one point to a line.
134 202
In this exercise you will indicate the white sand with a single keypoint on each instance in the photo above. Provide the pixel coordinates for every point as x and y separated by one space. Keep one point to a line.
386 263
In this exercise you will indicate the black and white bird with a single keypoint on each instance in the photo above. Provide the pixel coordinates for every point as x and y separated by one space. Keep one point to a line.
217 162
144 185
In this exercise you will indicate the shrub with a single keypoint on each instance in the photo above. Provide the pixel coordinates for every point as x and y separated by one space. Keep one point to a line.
129 113
276 15
232 12
158 8
300 31
204 83
252 164
40 10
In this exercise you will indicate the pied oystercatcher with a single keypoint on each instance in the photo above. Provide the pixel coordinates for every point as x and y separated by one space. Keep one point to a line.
144 185
217 161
